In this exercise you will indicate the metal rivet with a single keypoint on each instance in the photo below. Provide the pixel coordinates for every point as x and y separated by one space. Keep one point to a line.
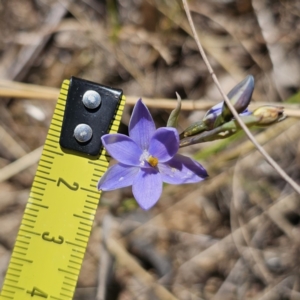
83 133
91 99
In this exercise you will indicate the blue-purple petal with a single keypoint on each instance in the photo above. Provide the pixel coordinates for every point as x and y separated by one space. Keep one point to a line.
147 187
164 143
216 109
122 148
141 125
246 112
117 176
182 169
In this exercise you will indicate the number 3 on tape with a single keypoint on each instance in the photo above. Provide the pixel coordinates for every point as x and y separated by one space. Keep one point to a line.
59 214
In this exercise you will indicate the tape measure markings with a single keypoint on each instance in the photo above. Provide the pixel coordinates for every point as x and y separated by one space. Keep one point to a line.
93 197
33 230
96 174
89 207
38 193
39 205
52 145
57 110
45 167
47 173
52 129
39 182
45 178
54 135
99 164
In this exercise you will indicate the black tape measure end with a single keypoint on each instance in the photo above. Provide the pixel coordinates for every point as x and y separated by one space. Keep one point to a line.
98 119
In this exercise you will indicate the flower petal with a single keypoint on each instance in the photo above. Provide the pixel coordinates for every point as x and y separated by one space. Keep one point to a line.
246 112
147 187
116 177
216 109
182 169
122 148
141 125
164 143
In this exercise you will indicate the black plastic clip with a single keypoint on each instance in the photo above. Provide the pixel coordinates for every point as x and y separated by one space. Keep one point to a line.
97 119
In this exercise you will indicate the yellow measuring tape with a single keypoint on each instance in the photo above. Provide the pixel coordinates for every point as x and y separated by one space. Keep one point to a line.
58 217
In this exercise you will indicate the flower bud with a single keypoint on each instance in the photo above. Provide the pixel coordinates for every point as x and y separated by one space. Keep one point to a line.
194 129
240 97
269 114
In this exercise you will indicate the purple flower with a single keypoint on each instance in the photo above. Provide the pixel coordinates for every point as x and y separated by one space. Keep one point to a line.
146 159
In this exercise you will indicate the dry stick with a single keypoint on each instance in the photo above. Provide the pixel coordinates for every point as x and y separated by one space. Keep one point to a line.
261 268
128 261
278 215
12 89
208 42
18 70
106 45
232 279
268 158
213 251
275 291
28 54
10 143
21 164
264 62
106 259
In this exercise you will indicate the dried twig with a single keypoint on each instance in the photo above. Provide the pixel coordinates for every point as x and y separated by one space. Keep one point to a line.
13 89
11 144
29 53
126 260
106 259
261 269
21 164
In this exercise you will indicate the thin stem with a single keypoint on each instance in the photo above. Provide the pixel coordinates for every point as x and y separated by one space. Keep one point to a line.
268 158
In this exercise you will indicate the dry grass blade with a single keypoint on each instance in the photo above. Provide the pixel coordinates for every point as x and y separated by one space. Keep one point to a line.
20 164
11 144
30 53
237 190
13 89
126 260
210 44
106 260
268 158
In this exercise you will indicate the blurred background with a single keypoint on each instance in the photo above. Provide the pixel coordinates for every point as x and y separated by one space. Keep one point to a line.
234 236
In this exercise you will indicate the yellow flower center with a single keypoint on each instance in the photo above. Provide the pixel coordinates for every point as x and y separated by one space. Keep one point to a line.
153 161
